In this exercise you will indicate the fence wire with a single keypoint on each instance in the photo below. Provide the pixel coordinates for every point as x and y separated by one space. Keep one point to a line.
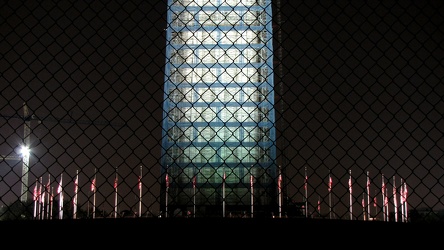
357 104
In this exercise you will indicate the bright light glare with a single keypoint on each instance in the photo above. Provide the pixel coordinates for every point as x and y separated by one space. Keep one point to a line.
24 151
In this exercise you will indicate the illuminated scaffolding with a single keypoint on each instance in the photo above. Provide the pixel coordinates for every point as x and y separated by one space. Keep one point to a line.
218 107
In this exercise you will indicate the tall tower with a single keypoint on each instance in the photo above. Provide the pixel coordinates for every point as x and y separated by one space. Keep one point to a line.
218 141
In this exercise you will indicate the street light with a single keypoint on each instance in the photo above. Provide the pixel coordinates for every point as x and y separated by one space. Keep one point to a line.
24 151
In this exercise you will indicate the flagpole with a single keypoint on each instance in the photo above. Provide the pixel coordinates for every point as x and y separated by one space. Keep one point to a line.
194 196
48 191
93 188
140 192
395 200
375 203
280 192
405 202
223 194
35 197
330 184
368 196
251 192
351 195
43 203
40 198
384 198
167 186
60 191
401 198
363 206
43 200
51 202
306 192
76 188
116 180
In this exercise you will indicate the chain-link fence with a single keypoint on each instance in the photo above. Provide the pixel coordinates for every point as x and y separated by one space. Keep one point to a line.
355 90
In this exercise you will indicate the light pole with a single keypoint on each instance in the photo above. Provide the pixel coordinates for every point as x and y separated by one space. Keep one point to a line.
25 153
25 170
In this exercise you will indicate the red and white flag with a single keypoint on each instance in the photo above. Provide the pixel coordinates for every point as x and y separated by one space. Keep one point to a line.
167 181
76 184
93 185
76 190
60 187
116 181
36 191
60 192
350 185
351 195
42 193
405 192
384 192
330 183
140 191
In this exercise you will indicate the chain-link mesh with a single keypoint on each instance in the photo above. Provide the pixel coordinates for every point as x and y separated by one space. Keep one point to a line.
355 89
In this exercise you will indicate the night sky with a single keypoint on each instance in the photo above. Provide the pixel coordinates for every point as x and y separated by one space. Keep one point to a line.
358 86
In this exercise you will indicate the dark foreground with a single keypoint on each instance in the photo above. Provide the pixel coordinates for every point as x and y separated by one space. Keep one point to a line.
203 233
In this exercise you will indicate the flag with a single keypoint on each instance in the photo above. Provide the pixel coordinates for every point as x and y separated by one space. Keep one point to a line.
368 182
59 188
60 192
251 180
116 194
140 191
93 184
405 192
167 181
48 185
36 192
330 184
76 184
76 189
116 180
280 182
383 185
194 182
350 184
40 189
401 193
383 191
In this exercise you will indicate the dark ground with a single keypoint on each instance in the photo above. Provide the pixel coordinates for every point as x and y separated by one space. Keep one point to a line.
220 232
